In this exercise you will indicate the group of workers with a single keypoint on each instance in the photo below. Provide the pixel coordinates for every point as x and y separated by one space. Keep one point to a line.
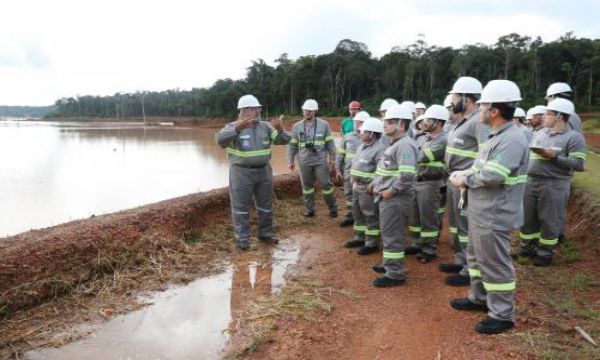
494 167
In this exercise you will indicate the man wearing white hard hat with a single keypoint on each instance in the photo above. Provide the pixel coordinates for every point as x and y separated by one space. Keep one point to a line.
495 186
420 109
385 105
393 188
519 121
343 163
414 227
464 140
248 141
312 142
535 118
557 152
367 234
562 90
430 174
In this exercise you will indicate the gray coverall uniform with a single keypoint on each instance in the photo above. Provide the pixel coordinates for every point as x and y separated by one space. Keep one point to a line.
343 164
250 175
396 171
414 227
575 123
528 133
430 173
548 189
312 142
496 184
366 212
463 144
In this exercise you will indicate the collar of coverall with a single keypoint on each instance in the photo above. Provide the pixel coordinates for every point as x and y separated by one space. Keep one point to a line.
398 138
564 130
500 129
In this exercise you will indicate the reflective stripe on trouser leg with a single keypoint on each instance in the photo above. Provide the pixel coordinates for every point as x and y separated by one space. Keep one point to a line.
552 212
414 223
241 187
530 231
492 255
394 214
307 178
428 198
348 196
370 211
461 223
322 174
360 226
264 202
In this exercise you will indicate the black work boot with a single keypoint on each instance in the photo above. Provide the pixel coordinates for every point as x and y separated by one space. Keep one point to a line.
366 250
425 257
450 268
269 240
542 260
346 222
309 213
411 250
243 244
458 280
493 326
378 268
354 243
384 281
467 304
523 254
333 213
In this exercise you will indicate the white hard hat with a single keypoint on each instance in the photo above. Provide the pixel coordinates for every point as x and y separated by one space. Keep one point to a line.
437 112
466 85
247 101
310 104
519 113
409 104
421 118
420 105
398 112
387 103
536 110
558 88
361 116
562 106
373 125
448 101
500 91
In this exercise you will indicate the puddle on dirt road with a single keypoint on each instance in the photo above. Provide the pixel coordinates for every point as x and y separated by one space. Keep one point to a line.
186 322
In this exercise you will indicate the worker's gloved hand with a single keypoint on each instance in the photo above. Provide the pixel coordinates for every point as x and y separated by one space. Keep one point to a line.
278 123
457 178
369 189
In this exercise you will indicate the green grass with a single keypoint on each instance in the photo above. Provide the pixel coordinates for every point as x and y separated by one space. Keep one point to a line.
589 180
592 125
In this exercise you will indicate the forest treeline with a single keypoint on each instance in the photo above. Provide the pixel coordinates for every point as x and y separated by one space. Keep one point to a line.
418 72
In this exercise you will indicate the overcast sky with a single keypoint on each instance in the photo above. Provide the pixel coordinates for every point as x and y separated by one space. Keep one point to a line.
61 48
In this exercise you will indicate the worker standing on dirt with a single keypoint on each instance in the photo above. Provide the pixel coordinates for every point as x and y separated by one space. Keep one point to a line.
343 163
393 189
414 227
431 171
366 214
463 144
495 186
557 152
348 123
519 121
248 141
312 141
561 90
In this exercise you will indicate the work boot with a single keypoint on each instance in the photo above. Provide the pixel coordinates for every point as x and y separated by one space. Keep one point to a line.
384 281
561 238
333 213
270 240
458 280
542 260
411 250
243 244
450 268
493 326
346 222
522 254
425 257
309 213
366 250
354 243
378 268
467 304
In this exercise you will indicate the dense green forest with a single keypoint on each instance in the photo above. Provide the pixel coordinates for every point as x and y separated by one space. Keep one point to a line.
418 72
26 111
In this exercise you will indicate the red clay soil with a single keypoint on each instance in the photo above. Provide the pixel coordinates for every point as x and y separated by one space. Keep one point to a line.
592 140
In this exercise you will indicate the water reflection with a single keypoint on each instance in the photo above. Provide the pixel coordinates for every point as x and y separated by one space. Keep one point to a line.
188 322
55 172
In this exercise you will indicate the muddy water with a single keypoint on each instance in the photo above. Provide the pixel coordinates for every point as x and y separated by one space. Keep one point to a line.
52 173
187 322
